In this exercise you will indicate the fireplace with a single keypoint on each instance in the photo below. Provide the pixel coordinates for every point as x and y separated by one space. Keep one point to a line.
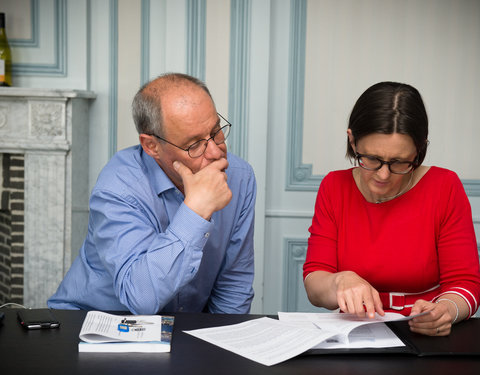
43 217
11 227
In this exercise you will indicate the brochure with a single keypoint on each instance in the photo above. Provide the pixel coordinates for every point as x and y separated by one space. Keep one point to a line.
108 333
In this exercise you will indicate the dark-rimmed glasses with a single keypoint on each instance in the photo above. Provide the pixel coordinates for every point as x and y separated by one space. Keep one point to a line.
372 163
197 149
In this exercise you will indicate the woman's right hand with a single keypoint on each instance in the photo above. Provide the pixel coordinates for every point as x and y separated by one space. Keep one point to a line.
356 296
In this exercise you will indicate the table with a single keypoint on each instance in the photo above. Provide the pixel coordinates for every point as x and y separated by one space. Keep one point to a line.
55 351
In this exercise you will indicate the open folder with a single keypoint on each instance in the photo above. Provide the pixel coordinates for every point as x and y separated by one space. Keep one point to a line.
270 341
463 339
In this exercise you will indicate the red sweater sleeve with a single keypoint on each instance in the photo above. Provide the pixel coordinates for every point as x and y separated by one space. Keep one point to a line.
458 263
323 231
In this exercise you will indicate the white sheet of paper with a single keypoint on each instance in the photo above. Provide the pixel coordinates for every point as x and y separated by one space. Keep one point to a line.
264 340
353 332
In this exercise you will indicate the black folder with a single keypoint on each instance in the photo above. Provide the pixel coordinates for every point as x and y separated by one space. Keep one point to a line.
463 340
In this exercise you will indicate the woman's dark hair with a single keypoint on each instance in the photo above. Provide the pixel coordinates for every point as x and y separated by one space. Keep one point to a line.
387 108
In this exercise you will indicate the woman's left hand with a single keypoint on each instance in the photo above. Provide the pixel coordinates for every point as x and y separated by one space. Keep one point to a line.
438 322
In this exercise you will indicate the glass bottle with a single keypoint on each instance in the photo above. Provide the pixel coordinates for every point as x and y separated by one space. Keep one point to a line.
5 55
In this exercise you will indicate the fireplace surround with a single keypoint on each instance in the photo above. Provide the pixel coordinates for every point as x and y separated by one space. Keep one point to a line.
49 128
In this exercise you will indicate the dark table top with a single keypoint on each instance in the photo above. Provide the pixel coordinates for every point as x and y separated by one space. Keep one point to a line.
55 351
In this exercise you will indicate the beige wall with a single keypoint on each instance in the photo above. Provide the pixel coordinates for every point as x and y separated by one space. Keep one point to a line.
217 52
128 69
430 44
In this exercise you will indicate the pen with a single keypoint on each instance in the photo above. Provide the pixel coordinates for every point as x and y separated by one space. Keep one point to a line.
125 321
133 322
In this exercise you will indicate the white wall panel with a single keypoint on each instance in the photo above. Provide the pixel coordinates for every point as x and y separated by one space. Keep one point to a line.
21 17
350 47
176 36
258 99
129 64
50 63
218 52
50 42
102 79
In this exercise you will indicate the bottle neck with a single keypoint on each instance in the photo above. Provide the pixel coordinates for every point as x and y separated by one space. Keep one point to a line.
3 33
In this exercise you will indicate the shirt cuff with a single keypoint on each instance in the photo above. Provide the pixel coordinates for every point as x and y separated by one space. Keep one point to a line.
190 227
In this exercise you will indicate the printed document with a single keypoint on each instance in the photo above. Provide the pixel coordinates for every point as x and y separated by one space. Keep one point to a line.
270 341
264 340
351 331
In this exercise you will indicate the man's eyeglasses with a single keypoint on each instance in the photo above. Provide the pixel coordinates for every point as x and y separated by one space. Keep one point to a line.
372 163
197 149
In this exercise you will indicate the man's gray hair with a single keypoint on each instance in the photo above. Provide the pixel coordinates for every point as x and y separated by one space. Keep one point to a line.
147 109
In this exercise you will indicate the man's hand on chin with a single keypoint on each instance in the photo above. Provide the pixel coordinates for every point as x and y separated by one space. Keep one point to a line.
207 190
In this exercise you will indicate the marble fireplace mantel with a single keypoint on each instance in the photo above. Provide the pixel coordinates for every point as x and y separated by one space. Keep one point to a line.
50 127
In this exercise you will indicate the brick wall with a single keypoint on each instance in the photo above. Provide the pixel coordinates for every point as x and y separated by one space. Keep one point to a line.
12 204
5 256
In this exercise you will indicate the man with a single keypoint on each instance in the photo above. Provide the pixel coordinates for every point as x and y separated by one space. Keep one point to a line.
171 220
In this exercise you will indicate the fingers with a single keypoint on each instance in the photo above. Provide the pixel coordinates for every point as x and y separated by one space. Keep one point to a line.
358 303
182 169
354 305
378 304
374 305
369 306
433 329
206 191
437 322
357 296
221 164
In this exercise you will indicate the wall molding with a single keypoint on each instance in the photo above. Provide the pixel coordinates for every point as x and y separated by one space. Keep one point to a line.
289 214
145 42
294 257
239 78
113 89
196 38
472 187
33 41
299 175
89 47
59 67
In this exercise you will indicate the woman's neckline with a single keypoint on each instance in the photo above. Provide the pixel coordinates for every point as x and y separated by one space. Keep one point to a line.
421 172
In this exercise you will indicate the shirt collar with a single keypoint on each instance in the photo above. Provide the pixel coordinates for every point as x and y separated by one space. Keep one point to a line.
157 177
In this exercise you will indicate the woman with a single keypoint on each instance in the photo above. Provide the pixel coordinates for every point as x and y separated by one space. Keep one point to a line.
393 234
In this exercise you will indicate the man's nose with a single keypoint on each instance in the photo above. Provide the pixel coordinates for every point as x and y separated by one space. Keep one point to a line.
213 151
